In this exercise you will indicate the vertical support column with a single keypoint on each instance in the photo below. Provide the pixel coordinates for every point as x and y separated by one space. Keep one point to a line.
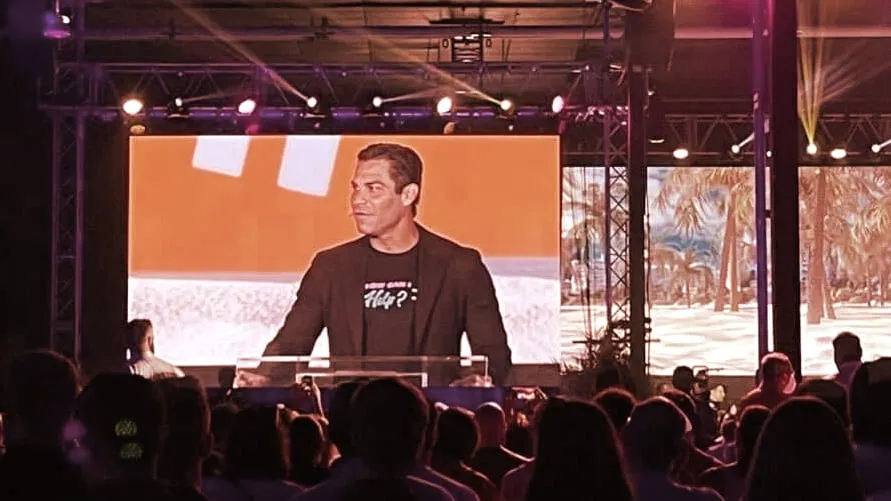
637 208
607 167
759 63
786 268
79 140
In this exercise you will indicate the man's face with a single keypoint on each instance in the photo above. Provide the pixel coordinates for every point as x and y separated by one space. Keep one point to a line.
375 203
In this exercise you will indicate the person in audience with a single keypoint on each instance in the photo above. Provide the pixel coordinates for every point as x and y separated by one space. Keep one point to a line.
457 439
188 439
684 380
693 461
492 458
387 423
221 418
848 356
871 424
424 471
518 438
655 438
41 389
255 464
777 382
118 424
307 451
578 456
516 482
831 393
141 352
618 404
725 449
803 453
730 480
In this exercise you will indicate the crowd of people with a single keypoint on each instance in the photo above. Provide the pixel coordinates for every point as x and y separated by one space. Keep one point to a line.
124 436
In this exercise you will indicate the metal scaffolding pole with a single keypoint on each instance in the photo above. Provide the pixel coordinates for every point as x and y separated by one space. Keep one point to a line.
637 210
760 156
786 266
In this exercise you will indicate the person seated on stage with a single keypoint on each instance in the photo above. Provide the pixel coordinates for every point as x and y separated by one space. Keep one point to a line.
492 458
444 289
141 357
456 440
41 390
387 422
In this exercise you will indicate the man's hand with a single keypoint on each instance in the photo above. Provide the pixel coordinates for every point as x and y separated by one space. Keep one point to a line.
245 379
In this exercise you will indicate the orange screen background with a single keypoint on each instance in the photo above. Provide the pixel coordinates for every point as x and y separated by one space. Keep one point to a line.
499 194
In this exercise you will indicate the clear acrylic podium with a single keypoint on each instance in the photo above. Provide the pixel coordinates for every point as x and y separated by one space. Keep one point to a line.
422 371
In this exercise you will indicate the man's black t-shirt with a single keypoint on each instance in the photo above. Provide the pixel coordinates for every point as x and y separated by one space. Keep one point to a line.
390 295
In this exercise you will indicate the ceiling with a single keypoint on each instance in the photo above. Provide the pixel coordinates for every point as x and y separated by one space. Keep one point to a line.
710 70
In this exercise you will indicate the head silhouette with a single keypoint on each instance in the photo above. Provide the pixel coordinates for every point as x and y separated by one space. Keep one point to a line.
307 443
655 435
830 392
256 445
871 403
750 425
803 453
42 388
618 405
123 420
578 453
846 348
457 435
340 417
188 431
390 419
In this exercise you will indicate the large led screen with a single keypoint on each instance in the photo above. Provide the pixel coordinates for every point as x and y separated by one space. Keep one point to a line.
222 228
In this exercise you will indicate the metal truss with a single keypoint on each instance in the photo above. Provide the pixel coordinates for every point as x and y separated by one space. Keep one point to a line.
67 239
283 85
66 281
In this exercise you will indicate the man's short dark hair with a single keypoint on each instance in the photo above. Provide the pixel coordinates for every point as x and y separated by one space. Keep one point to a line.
654 435
774 365
406 165
847 347
137 329
340 417
683 378
750 424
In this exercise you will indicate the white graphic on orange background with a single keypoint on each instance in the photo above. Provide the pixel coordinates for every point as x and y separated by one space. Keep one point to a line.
307 163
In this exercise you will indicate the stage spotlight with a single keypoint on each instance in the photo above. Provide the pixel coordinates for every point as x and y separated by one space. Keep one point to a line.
876 148
838 153
735 149
377 101
557 104
811 149
681 153
132 107
506 105
56 26
656 120
312 102
444 105
177 108
246 107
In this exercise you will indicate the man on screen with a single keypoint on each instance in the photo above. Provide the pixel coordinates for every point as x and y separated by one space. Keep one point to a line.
399 290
